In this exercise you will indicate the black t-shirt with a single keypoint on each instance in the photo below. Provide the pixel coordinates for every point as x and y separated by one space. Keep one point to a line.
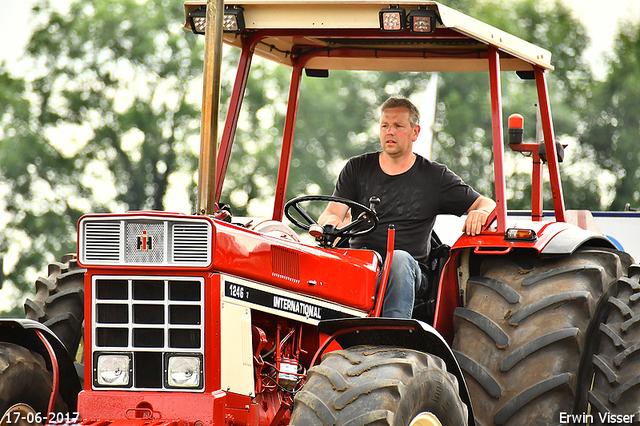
410 201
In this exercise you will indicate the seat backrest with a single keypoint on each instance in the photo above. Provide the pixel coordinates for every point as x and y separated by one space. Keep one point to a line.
425 304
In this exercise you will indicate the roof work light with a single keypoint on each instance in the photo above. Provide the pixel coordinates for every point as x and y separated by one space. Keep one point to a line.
422 21
233 21
198 20
393 19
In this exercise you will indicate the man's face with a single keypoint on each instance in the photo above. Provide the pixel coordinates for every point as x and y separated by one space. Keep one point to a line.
396 133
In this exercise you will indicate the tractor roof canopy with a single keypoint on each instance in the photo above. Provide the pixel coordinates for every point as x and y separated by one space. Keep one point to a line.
345 34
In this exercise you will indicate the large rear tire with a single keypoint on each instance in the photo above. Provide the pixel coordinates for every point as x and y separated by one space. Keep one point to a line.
615 394
59 302
365 385
521 338
24 379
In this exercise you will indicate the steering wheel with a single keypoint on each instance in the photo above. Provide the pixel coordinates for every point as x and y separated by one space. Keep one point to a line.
368 216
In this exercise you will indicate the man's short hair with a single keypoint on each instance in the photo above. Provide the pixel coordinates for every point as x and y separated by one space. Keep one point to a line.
414 113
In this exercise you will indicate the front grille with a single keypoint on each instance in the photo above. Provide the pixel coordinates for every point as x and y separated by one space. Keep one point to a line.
190 242
145 241
148 318
102 241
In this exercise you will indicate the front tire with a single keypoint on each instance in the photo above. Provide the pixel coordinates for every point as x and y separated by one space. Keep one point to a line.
59 302
24 379
366 385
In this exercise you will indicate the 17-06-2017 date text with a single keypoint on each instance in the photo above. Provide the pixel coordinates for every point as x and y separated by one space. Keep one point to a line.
40 418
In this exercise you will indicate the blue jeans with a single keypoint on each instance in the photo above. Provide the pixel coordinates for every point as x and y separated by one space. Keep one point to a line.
405 279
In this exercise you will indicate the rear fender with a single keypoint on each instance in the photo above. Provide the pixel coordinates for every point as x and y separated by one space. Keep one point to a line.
572 238
554 238
23 332
405 333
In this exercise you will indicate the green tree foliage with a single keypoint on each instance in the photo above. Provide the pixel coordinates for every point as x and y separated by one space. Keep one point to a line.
122 76
38 188
125 69
613 128
464 141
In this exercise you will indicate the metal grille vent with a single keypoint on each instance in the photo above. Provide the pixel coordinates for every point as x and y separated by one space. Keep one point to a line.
191 243
102 241
149 318
285 264
146 241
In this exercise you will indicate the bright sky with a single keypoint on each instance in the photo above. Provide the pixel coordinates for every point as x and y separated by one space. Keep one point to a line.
601 20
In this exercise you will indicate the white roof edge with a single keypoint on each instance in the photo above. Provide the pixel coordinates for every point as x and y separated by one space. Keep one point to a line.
450 18
485 33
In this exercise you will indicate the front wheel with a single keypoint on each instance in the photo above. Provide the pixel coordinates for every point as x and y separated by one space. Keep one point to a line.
59 302
25 385
366 385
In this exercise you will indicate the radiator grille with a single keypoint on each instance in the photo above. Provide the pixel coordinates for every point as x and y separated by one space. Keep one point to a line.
190 242
145 241
102 241
148 318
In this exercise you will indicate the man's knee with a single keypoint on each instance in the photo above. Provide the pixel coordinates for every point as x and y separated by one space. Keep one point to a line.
403 263
403 266
402 258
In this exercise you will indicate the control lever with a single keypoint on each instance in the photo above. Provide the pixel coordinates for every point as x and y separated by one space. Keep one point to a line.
374 202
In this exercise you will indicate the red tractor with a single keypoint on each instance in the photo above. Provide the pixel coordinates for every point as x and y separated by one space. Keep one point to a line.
203 320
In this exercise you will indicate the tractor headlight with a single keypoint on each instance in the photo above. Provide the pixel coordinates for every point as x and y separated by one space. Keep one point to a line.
184 371
113 370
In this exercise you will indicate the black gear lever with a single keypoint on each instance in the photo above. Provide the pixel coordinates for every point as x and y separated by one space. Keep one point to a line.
374 202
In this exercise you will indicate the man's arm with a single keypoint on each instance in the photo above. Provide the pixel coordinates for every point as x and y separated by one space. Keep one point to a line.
334 214
477 215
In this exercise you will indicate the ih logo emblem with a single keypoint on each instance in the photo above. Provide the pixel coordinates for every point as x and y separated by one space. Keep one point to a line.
145 242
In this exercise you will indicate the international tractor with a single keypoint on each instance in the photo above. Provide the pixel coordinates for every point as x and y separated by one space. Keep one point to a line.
208 320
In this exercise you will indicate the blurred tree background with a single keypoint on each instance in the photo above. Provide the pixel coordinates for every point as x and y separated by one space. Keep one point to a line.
106 119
